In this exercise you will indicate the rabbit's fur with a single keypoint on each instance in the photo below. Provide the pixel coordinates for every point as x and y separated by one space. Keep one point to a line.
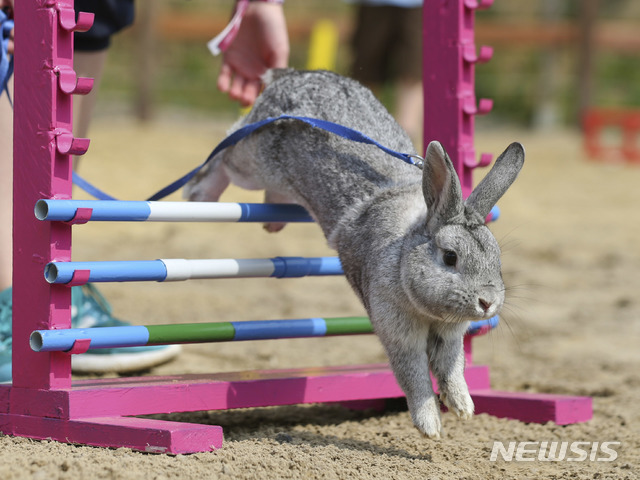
419 257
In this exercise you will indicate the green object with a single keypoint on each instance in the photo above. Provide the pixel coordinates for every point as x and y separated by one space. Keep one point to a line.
348 326
190 333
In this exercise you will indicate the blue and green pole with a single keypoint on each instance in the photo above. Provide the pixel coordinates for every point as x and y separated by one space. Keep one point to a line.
135 336
63 340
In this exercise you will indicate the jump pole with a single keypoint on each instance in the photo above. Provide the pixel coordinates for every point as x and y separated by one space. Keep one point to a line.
81 211
177 269
139 336
78 340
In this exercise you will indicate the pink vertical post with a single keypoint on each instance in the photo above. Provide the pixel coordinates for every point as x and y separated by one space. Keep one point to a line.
42 169
449 56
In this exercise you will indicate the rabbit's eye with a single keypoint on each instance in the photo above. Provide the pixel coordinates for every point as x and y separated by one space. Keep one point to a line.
450 258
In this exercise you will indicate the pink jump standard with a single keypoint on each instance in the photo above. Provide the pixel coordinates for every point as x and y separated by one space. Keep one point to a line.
450 105
44 402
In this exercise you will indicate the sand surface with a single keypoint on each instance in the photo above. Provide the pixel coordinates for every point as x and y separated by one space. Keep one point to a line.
570 231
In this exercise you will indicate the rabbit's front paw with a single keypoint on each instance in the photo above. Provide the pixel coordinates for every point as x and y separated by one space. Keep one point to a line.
427 419
459 402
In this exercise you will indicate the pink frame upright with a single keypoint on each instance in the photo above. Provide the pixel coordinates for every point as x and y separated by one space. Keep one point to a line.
44 402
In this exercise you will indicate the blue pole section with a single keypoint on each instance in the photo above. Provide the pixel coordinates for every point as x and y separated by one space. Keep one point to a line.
292 267
119 271
101 337
102 210
480 325
262 212
269 329
495 213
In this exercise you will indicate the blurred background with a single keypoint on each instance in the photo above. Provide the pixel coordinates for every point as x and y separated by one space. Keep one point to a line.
553 58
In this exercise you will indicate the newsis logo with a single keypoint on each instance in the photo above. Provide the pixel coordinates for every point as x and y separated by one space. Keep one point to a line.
555 451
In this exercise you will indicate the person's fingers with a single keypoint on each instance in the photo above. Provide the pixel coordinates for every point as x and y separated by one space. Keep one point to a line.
251 91
237 87
224 78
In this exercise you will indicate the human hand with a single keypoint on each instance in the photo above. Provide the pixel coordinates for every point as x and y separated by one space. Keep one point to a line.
261 43
7 7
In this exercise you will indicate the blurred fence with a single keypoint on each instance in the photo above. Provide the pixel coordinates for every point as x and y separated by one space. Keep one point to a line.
542 62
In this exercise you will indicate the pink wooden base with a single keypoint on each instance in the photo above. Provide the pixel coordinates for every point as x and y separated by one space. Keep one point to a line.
101 412
153 436
533 407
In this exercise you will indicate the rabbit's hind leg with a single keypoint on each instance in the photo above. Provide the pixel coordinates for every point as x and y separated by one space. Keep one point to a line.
275 197
208 185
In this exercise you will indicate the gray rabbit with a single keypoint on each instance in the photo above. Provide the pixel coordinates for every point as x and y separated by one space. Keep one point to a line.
419 257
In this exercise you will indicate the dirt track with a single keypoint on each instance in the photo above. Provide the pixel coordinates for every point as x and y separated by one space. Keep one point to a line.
570 232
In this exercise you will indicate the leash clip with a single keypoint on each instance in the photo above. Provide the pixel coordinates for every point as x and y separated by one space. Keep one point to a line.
416 160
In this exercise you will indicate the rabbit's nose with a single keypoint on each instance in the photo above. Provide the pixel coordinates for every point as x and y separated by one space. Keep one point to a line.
485 304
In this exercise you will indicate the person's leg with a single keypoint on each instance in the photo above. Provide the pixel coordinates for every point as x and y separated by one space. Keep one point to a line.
90 307
6 189
409 107
369 45
86 64
408 71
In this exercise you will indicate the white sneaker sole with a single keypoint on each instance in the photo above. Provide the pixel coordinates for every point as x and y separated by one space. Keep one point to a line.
123 362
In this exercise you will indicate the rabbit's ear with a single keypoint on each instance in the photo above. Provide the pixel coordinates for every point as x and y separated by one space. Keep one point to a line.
498 180
440 186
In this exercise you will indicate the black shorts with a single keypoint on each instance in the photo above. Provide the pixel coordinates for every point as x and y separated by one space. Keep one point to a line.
387 44
111 16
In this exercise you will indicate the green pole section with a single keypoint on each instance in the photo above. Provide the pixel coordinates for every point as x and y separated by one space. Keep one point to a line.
348 325
190 333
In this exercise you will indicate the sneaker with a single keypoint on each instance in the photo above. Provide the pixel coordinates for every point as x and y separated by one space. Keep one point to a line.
89 309
5 336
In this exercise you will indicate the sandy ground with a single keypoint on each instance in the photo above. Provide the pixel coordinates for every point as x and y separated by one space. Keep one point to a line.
570 231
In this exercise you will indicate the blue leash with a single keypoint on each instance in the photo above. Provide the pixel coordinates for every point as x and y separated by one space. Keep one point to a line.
243 132
92 190
6 61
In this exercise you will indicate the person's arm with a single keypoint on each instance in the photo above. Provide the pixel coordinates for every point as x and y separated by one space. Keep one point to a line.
261 43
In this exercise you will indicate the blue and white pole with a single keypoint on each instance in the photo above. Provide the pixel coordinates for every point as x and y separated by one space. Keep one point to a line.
143 211
180 269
